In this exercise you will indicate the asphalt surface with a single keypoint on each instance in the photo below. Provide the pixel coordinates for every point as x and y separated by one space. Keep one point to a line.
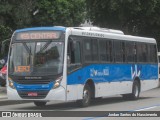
149 101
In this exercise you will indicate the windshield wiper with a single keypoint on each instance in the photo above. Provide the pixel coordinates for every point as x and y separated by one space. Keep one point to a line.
45 46
27 49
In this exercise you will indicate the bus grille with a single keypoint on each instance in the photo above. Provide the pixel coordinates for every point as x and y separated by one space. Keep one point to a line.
32 81
40 94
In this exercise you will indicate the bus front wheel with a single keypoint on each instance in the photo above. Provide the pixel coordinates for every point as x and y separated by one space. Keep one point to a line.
40 103
86 97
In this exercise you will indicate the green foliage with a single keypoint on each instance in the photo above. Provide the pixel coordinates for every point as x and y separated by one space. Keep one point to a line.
5 32
136 17
60 12
17 14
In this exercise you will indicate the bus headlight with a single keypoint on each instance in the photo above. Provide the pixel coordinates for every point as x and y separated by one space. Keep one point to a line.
10 83
57 83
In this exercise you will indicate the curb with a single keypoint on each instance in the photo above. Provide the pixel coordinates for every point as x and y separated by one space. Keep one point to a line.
3 90
5 101
3 96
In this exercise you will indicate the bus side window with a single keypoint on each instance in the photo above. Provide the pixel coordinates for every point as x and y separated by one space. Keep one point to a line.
103 50
130 52
135 52
118 51
142 52
123 51
87 50
94 50
110 50
73 55
153 55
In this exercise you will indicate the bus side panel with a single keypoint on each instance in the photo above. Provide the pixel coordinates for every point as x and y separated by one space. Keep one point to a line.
149 76
106 78
74 92
114 88
112 79
149 84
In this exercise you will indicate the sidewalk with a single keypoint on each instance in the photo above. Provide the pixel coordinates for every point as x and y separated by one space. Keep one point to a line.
3 93
3 96
4 100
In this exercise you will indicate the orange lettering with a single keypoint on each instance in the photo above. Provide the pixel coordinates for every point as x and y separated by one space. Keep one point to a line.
53 35
25 36
22 69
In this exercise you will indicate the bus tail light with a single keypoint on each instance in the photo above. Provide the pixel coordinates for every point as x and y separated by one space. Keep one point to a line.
11 84
57 82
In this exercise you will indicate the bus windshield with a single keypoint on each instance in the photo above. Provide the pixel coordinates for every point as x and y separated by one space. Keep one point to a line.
36 58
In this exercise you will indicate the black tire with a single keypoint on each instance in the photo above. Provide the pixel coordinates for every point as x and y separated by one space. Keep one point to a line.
86 97
135 92
40 103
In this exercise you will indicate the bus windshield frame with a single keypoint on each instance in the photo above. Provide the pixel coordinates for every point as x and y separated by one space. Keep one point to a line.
36 57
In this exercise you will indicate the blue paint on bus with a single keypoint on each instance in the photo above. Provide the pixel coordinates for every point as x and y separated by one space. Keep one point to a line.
113 73
42 29
102 73
22 87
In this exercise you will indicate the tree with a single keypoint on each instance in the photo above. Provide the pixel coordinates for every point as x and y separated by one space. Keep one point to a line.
136 17
28 13
5 32
60 12
17 14
14 14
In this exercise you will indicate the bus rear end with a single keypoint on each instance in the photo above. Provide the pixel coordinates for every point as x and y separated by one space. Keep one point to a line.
35 65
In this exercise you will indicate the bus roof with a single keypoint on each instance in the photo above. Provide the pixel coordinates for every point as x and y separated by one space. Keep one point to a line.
58 28
93 32
110 34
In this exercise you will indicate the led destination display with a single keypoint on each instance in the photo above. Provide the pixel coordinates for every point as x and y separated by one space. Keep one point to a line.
38 35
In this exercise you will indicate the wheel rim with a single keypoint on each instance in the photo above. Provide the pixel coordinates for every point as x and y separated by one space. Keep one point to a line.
86 96
136 91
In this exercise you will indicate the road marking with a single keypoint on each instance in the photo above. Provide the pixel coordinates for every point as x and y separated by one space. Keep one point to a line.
147 108
140 109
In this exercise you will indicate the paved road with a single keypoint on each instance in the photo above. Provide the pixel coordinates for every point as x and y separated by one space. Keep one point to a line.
149 101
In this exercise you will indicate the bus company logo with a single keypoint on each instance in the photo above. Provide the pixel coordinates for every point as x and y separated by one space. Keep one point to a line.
103 72
93 72
135 71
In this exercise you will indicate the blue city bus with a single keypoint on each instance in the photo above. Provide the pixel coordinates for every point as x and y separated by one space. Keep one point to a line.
79 64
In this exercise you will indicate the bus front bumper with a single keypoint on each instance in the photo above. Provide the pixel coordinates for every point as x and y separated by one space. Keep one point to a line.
58 94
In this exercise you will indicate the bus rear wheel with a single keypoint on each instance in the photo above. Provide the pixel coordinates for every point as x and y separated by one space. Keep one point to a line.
135 92
86 97
40 103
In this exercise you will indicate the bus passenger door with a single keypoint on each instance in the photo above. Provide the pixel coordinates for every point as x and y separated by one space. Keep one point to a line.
74 74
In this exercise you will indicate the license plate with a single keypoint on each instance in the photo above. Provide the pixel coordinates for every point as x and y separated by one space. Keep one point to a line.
32 94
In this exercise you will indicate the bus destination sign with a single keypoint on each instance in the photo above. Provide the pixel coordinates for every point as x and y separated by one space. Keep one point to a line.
38 35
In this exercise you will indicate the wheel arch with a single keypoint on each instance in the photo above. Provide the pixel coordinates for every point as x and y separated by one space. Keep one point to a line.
90 82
